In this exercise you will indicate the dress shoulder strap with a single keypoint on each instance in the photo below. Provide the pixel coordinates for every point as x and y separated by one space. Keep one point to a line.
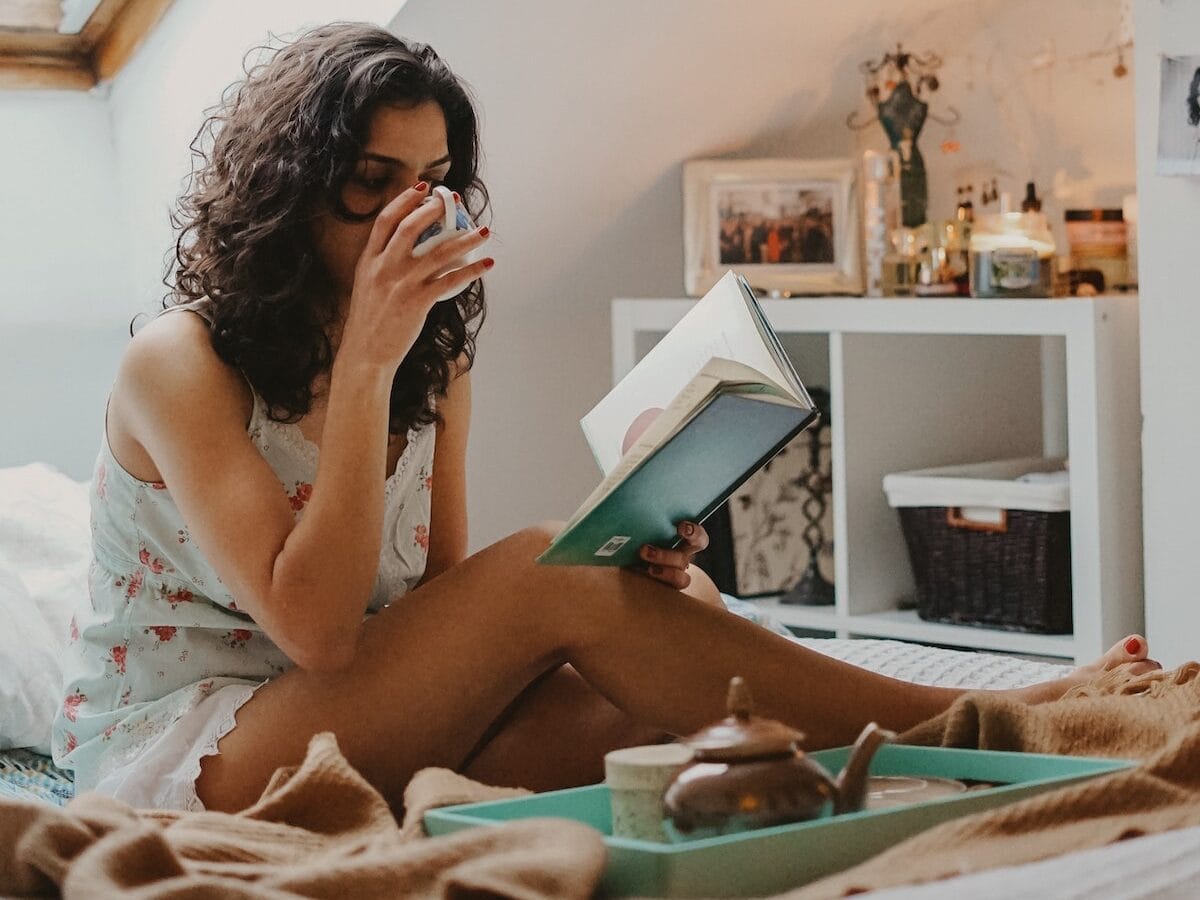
202 307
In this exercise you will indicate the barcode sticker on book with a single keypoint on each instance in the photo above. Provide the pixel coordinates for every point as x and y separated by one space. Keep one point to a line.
612 545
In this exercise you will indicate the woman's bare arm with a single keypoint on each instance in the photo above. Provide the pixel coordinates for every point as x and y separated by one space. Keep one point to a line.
306 583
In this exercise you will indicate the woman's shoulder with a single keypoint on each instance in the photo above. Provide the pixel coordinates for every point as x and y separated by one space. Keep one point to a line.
171 362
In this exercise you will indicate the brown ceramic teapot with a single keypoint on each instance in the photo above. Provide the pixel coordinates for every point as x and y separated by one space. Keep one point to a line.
747 772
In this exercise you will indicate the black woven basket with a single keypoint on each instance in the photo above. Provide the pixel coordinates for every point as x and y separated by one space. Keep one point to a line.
1015 576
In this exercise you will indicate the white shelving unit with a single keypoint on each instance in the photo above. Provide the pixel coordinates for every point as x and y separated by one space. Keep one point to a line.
919 383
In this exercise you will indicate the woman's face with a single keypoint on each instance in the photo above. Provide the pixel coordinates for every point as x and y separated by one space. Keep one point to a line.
404 145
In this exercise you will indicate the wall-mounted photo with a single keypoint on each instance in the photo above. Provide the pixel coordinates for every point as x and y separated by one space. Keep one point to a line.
1179 116
789 225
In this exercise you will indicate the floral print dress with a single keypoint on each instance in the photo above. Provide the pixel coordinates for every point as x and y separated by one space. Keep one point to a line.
160 633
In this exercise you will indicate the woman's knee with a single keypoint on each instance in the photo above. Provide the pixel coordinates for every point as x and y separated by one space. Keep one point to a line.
702 587
530 542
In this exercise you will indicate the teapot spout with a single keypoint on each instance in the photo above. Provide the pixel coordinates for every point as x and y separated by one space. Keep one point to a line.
851 793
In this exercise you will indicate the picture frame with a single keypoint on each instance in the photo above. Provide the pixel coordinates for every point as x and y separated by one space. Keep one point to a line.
767 518
1179 116
790 226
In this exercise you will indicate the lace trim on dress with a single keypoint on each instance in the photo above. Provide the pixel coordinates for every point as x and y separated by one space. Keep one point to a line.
190 800
292 439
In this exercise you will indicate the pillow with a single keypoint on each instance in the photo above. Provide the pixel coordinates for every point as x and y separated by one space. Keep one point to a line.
30 673
45 551
45 538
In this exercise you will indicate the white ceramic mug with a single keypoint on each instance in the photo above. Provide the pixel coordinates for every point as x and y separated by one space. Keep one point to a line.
637 778
453 223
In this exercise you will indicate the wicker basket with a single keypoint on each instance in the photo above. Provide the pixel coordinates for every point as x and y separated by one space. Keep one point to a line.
979 555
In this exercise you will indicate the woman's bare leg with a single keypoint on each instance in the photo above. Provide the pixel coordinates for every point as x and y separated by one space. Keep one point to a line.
555 734
433 671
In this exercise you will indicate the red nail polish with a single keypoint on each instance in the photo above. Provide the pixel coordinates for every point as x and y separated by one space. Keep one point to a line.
456 197
1133 645
421 186
484 231
488 263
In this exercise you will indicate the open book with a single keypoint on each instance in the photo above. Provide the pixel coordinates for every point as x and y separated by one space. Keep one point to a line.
712 402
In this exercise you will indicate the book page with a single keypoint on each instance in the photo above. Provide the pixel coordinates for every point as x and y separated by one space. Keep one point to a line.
720 324
716 373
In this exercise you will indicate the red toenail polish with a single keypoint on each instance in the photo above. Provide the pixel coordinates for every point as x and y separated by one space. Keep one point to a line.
1133 645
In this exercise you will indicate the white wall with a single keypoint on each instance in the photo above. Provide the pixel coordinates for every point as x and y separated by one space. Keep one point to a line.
590 109
63 274
157 103
62 240
1170 322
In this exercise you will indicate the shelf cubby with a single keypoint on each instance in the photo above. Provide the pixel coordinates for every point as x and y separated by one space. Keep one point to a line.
920 383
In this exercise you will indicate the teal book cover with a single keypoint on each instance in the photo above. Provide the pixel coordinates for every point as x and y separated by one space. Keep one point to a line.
687 478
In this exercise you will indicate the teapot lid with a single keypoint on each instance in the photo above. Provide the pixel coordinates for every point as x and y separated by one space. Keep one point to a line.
743 735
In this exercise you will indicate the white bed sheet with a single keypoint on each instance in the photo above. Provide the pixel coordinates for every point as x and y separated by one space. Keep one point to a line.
935 666
1161 866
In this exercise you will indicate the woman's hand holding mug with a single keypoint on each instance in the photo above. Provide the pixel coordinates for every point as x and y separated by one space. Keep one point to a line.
395 285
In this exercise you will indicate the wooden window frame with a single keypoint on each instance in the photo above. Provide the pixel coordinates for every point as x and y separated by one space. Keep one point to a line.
46 59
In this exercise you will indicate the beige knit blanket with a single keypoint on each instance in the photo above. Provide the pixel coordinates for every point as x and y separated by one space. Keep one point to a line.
1154 718
320 830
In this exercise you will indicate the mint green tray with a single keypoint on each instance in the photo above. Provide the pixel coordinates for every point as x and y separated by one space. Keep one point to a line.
770 860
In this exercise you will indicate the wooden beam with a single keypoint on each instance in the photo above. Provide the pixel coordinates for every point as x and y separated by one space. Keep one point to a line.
129 28
37 43
45 73
101 19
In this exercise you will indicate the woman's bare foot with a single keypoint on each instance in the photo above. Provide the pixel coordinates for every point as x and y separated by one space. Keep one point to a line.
1130 652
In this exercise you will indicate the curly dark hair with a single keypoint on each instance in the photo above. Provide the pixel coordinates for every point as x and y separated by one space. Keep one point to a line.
284 142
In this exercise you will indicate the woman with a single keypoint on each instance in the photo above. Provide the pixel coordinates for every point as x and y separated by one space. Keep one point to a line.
279 525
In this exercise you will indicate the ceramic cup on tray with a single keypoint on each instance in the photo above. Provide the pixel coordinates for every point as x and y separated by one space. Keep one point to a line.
636 778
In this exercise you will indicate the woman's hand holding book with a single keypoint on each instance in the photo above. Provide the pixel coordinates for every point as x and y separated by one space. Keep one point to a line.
670 566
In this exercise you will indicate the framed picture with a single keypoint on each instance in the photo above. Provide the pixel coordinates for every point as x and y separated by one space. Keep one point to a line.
1179 116
790 226
770 513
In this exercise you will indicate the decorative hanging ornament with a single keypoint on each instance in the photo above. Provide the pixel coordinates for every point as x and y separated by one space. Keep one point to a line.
906 77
